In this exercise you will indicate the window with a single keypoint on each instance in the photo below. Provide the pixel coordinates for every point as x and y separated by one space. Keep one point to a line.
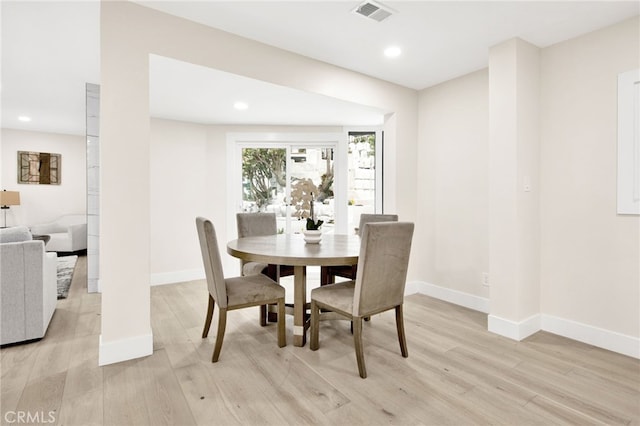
266 169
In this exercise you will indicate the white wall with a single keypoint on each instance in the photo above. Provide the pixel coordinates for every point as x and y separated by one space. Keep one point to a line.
43 203
183 186
590 254
453 187
589 264
189 178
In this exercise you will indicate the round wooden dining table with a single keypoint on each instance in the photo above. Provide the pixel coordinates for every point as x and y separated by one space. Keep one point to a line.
285 249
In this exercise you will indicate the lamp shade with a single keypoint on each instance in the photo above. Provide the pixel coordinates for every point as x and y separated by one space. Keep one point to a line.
9 198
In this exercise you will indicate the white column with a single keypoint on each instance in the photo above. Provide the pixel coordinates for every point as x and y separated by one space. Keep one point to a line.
124 189
93 186
514 260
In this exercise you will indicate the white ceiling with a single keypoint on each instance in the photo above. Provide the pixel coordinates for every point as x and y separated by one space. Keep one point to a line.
50 49
440 39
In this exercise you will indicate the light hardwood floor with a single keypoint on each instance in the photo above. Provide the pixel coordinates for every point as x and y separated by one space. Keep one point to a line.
457 372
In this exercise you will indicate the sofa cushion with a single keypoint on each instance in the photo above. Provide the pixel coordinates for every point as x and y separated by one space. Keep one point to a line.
15 235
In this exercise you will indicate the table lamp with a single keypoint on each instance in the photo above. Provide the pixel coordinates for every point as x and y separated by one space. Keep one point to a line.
8 198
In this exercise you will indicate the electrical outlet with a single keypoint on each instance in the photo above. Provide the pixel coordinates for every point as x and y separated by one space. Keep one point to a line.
485 279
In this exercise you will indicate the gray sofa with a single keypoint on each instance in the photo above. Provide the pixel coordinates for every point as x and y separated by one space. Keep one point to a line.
28 286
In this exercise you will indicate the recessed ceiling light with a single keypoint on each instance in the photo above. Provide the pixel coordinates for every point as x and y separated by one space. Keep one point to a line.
24 118
392 52
240 105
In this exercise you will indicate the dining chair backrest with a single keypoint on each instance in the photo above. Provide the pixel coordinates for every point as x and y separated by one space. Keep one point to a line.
256 224
211 259
382 267
371 218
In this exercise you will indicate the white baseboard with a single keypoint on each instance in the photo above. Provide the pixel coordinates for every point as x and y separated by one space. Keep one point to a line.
514 330
456 297
413 287
177 276
125 349
606 339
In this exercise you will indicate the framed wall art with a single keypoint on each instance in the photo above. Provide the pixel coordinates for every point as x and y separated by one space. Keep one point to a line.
41 168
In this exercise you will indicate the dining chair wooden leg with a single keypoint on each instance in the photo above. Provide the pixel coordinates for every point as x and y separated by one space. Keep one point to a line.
357 340
263 315
282 335
323 275
314 328
401 336
326 277
207 320
272 316
222 324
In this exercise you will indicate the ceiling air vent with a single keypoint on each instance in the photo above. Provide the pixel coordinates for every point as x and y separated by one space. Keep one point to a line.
373 10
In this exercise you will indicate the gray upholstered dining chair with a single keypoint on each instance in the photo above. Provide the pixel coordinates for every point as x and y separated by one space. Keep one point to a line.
328 274
378 287
256 225
234 293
